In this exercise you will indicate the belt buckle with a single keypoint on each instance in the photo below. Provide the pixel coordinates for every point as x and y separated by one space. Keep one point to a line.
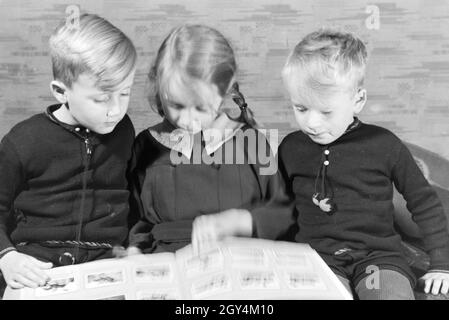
66 259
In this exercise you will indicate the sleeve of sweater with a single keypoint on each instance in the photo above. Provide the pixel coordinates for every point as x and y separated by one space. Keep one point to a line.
425 206
11 182
273 218
139 221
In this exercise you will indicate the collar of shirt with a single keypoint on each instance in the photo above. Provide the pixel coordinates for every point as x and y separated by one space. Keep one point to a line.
49 113
355 124
222 129
77 130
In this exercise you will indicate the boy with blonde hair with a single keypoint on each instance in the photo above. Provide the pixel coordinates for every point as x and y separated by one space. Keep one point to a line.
63 187
341 172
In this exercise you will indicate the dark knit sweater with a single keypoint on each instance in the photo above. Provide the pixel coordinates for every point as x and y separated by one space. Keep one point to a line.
167 197
363 165
42 167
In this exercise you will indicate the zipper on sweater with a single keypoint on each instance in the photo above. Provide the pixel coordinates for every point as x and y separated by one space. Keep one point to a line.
88 145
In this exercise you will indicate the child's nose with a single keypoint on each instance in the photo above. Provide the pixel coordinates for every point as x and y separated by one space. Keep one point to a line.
313 120
114 108
186 119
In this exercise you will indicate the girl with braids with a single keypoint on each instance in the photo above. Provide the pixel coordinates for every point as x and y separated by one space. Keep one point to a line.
192 87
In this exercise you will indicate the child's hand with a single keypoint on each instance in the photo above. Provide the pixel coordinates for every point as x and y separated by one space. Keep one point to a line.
121 252
438 281
210 228
132 251
21 270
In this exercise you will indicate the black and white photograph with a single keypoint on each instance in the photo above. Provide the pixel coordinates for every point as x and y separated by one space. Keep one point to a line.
58 285
158 294
153 273
258 280
211 285
258 150
107 278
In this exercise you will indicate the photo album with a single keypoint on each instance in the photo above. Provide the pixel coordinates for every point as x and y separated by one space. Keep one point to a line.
237 268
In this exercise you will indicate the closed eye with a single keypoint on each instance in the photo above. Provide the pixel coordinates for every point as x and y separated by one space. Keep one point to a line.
102 99
200 109
177 106
299 108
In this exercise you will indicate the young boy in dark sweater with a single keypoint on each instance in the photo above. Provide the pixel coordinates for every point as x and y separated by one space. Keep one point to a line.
63 187
341 172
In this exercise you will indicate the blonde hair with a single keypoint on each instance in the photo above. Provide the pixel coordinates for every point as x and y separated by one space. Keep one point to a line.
95 47
328 59
195 52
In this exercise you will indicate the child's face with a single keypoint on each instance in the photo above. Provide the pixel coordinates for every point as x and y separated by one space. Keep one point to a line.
191 106
325 119
95 109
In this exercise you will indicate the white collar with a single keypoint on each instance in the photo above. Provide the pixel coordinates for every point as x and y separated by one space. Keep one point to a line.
222 129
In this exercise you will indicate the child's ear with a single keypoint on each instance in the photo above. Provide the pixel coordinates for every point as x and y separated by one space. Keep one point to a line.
59 91
360 100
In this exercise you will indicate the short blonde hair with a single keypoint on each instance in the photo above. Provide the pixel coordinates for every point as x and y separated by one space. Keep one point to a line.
95 47
328 59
